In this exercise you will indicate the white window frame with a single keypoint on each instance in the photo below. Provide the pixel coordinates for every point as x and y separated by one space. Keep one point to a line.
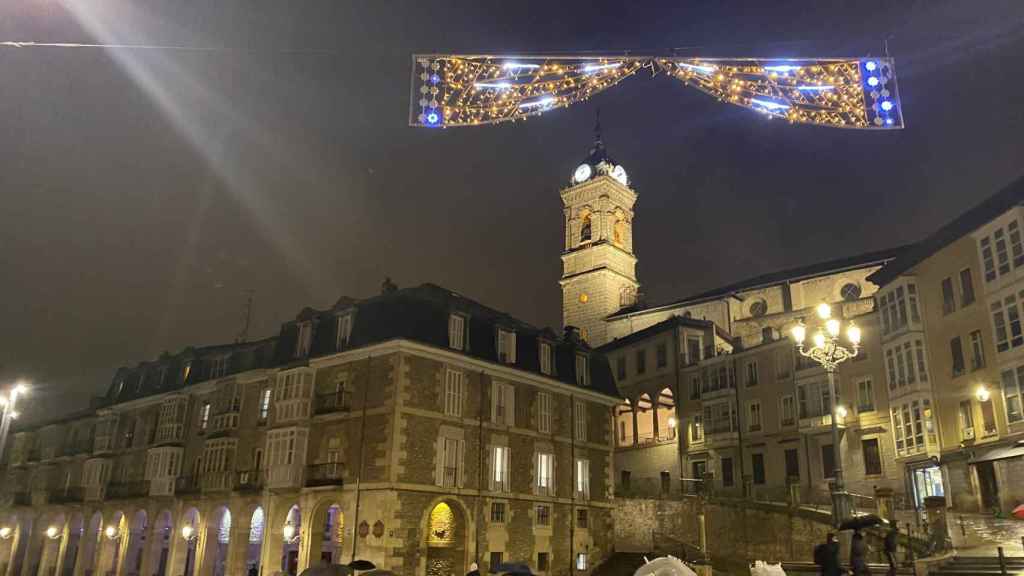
454 392
204 416
865 386
450 455
456 331
697 429
304 338
582 478
264 406
544 403
546 358
582 370
506 346
783 421
500 474
344 330
1012 384
503 403
580 420
754 416
545 482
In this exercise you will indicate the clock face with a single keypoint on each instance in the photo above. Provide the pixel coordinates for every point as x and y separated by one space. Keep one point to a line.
619 173
582 173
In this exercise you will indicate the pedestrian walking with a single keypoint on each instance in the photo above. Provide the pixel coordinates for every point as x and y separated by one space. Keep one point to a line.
859 555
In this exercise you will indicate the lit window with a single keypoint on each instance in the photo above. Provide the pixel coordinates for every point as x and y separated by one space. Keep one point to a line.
545 473
204 416
264 403
583 478
581 561
500 461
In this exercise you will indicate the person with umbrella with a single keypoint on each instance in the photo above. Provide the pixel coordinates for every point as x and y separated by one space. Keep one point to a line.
827 556
859 555
891 538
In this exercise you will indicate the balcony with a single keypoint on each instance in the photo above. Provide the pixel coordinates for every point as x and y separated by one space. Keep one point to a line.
76 448
332 402
220 481
328 474
815 423
69 495
121 490
15 499
186 485
223 423
249 481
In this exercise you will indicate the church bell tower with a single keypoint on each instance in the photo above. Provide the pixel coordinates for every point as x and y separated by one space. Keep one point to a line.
598 264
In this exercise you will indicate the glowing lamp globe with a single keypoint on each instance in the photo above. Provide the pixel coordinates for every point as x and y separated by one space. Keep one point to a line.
982 393
799 333
5 532
671 421
853 333
111 532
832 325
187 531
52 532
289 532
819 339
841 411
824 311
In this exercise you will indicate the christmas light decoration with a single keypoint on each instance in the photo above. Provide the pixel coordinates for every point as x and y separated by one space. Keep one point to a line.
467 90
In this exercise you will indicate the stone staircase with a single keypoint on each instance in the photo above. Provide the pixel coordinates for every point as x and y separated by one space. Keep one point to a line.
979 566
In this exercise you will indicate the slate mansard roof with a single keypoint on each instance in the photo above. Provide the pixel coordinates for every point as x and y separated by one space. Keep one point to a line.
419 314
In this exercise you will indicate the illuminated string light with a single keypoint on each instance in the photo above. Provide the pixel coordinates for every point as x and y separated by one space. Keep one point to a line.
454 90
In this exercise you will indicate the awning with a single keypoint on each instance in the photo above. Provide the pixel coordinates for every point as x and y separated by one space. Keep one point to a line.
997 453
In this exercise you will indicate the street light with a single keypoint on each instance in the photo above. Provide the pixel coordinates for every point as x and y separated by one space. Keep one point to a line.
829 353
112 533
8 404
291 533
53 533
5 532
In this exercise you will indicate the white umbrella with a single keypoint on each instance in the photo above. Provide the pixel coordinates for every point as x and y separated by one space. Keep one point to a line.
327 570
664 566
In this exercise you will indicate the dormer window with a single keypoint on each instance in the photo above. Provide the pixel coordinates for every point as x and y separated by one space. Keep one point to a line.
344 330
185 371
585 228
546 359
161 375
218 367
304 339
582 370
506 346
456 331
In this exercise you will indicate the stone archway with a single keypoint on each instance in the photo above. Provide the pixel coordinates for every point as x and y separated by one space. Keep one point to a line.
445 538
326 533
254 548
159 542
111 546
137 534
53 534
90 544
218 537
292 532
76 526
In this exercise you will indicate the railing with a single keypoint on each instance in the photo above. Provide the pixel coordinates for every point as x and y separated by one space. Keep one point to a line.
327 474
449 476
127 489
249 480
185 485
218 481
332 402
16 499
67 495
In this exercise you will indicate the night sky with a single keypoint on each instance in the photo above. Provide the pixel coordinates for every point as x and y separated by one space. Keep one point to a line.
143 192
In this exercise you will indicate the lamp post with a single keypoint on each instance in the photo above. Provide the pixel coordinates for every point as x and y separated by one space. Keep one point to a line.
8 404
828 352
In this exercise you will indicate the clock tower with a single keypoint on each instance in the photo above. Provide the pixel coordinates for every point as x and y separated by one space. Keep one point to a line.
598 265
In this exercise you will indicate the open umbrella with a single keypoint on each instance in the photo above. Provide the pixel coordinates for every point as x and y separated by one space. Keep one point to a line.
1018 512
860 522
378 573
513 569
664 566
361 565
327 570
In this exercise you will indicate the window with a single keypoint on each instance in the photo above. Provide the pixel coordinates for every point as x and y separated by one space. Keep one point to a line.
695 388
344 331
581 561
720 417
988 418
787 416
872 457
585 228
641 361
1012 384
204 416
828 461
582 478
543 517
752 373
497 512
693 349
891 368
580 420
757 466
865 396
454 388
500 461
987 259
545 358
456 332
948 300
697 428
305 337
754 416
977 351
503 399
666 483
966 288
922 369
582 518
257 459
218 367
727 472
624 478
544 412
506 346
582 370
620 367
545 473
1006 319
998 264
661 355
264 404
450 463
792 464
967 419
495 561
758 308
957 352
850 291
543 563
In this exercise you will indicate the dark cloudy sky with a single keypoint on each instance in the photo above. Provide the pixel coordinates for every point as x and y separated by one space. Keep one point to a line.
142 192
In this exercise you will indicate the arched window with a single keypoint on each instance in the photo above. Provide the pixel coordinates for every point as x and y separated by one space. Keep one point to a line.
585 227
619 229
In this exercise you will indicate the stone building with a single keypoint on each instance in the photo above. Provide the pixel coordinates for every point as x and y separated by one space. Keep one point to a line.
417 429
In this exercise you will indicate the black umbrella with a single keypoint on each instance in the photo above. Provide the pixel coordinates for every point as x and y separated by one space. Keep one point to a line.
513 569
361 565
860 522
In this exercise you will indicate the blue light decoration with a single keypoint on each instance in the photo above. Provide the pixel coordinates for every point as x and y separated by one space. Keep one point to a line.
453 90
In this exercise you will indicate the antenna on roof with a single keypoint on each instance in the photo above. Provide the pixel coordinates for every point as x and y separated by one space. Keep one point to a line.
246 315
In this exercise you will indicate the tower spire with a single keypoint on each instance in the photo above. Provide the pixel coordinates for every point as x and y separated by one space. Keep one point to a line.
598 143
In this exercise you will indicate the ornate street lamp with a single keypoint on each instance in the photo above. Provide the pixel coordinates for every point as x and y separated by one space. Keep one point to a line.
188 533
291 532
112 533
53 533
6 532
828 352
8 412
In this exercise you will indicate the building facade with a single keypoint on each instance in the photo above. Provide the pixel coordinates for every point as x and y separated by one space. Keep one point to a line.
417 429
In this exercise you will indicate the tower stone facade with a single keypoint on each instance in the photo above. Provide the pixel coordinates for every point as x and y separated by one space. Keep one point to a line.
598 264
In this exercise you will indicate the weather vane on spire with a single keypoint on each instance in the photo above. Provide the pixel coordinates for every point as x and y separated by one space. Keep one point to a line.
451 90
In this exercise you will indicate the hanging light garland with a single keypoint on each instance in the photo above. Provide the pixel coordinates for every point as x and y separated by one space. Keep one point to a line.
469 90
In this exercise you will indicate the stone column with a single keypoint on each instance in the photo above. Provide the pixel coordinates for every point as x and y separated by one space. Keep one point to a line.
148 552
306 544
62 551
238 546
273 537
654 416
33 550
636 430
